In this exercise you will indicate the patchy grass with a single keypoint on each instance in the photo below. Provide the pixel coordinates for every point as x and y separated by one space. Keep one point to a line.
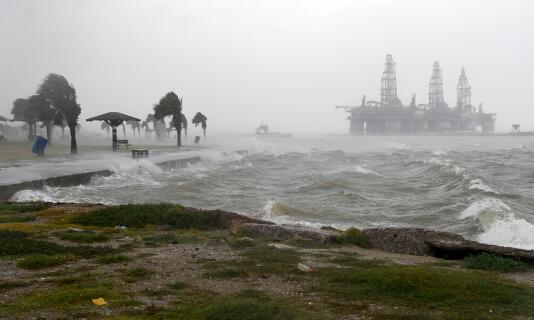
83 236
141 215
241 243
488 261
245 305
170 238
259 261
26 227
18 212
41 261
8 284
70 301
20 243
15 207
178 285
136 274
353 236
308 244
113 258
456 294
226 273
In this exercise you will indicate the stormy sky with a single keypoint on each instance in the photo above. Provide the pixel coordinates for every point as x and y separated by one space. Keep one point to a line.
285 62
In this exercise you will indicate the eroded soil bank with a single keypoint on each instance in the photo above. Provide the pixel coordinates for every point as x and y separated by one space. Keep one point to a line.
162 261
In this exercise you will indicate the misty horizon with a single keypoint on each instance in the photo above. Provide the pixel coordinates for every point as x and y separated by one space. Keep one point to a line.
286 63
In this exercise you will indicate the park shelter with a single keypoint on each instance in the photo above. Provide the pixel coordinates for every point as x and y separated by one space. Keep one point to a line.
114 119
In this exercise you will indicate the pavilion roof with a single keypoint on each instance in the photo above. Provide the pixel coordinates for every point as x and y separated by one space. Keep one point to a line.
113 116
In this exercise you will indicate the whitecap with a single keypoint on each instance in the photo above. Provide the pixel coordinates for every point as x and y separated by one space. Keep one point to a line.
481 206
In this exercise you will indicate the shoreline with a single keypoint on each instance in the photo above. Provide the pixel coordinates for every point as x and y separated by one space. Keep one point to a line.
169 261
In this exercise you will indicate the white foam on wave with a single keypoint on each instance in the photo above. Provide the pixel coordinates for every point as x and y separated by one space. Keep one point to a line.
481 206
510 232
474 183
365 170
359 168
32 195
477 184
499 224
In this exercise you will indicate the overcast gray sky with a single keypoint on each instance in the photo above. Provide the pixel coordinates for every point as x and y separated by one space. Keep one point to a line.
285 62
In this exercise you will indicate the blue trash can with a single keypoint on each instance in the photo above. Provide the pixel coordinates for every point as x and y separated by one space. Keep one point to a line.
39 146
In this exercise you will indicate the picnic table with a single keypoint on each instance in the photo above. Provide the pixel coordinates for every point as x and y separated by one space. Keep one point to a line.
136 153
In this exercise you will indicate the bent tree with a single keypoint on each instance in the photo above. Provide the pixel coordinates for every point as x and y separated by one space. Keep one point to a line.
61 96
171 105
199 118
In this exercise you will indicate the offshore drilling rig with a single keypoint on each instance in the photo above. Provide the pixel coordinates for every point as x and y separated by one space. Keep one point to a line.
390 116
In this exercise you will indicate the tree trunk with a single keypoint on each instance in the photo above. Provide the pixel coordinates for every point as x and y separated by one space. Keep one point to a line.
73 146
49 132
178 125
204 130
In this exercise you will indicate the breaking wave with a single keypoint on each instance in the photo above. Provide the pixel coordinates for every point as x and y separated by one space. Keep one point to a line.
499 225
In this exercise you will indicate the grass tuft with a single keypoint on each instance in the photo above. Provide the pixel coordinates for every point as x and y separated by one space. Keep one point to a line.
41 261
492 262
141 215
178 285
458 293
113 258
241 243
353 236
136 274
83 236
20 243
7 284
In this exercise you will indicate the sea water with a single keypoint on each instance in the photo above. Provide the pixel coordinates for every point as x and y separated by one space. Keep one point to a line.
479 186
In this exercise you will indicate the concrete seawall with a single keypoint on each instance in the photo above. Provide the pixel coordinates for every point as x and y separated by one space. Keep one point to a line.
7 191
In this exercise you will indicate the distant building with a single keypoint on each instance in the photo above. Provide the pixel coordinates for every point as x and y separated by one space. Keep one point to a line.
390 116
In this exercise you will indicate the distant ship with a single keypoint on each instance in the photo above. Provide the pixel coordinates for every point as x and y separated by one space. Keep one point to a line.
263 131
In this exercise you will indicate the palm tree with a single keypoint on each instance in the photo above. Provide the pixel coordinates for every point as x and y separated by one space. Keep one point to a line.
61 96
135 126
144 125
199 118
21 111
45 113
105 126
150 118
171 105
184 125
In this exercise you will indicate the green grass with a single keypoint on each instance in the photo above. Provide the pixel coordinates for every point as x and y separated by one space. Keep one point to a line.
245 305
11 212
13 207
113 258
455 294
141 215
71 301
241 243
488 261
256 261
41 261
15 243
83 236
353 236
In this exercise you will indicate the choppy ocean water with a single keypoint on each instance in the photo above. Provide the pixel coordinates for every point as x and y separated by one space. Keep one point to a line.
479 187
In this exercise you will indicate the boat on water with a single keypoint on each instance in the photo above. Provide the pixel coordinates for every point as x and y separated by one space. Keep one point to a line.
263 131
